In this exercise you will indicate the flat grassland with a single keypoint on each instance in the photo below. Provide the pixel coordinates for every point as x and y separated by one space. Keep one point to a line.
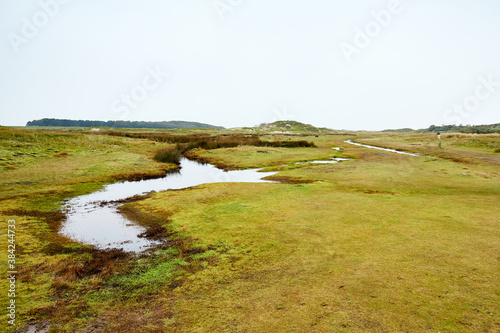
382 242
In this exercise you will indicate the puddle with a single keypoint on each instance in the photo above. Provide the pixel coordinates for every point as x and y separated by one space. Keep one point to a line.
332 160
89 221
380 148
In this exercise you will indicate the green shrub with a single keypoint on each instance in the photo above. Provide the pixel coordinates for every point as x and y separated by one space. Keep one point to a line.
168 155
188 142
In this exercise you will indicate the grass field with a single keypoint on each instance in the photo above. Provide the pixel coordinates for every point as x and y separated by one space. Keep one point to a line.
483 150
380 243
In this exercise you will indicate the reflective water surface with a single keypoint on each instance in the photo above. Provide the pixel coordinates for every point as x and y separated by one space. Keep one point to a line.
380 148
92 220
331 160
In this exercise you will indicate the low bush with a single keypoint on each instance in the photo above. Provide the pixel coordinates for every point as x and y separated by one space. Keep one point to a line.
188 142
168 155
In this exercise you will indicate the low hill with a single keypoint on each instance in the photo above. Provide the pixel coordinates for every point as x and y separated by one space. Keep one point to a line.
478 129
119 124
399 130
291 126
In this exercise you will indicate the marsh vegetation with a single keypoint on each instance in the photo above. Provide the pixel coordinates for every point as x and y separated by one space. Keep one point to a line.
381 242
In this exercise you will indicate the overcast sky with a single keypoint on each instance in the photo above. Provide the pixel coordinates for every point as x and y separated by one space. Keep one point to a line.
342 64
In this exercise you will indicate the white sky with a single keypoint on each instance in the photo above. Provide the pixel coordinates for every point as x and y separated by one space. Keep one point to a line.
243 62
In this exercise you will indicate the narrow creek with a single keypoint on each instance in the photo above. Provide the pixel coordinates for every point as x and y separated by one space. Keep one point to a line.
330 161
380 148
94 218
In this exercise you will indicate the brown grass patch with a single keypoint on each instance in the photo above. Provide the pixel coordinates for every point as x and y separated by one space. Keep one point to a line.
369 191
145 176
206 160
142 218
53 219
103 263
135 318
62 154
155 232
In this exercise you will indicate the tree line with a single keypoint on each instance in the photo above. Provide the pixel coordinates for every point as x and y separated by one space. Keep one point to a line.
52 122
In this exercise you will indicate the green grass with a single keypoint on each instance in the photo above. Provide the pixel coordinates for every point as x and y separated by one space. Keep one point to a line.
147 279
35 186
474 149
254 157
382 242
309 257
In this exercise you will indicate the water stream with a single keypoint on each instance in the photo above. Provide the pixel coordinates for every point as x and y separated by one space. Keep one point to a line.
91 219
94 218
380 148
331 160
